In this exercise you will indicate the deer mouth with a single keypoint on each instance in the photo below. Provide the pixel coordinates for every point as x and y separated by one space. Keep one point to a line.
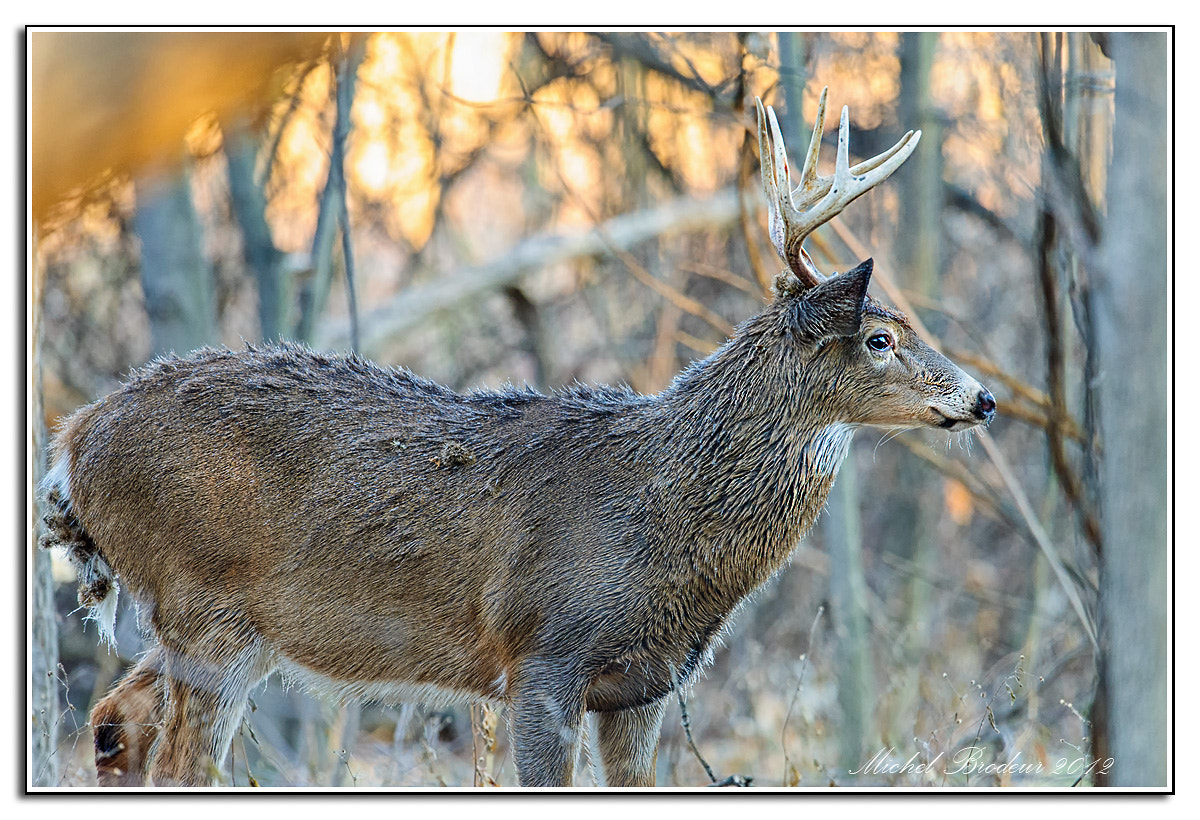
945 422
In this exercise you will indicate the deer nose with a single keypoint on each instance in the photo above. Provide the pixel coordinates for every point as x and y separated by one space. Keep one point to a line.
985 406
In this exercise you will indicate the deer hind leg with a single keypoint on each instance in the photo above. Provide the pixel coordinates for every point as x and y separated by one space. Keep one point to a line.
206 697
126 724
628 741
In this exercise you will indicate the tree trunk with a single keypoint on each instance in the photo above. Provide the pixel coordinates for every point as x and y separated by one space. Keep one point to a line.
176 279
249 205
792 58
1133 346
918 234
911 520
848 592
43 627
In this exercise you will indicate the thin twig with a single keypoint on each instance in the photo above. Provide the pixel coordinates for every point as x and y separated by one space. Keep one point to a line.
344 756
988 715
639 47
687 731
661 366
672 295
477 762
812 631
720 274
272 153
701 346
1039 534
980 489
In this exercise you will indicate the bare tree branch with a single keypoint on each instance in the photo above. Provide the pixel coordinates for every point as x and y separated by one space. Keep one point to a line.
1060 164
333 198
638 47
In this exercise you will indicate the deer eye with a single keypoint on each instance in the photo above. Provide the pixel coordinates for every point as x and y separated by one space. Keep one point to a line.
880 342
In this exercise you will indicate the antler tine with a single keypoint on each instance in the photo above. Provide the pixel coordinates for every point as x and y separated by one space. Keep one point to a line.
847 185
809 179
876 161
782 215
813 186
776 202
818 199
866 175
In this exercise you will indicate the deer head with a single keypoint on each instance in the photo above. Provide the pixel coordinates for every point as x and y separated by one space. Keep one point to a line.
908 383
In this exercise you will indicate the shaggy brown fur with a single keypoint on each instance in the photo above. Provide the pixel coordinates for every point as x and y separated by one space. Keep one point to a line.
378 535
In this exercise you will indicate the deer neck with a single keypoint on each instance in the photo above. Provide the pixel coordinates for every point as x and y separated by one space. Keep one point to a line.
752 459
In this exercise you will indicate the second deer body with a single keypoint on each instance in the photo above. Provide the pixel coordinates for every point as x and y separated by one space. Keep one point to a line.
375 535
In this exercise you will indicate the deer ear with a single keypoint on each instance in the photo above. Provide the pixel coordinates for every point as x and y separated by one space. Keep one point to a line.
834 307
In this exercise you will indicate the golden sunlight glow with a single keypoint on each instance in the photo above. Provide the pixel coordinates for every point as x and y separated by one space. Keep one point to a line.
368 112
372 167
478 64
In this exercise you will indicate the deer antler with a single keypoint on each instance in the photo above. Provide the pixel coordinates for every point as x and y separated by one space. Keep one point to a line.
794 214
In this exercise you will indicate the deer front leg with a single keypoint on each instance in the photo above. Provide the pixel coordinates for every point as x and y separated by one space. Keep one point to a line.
546 705
629 743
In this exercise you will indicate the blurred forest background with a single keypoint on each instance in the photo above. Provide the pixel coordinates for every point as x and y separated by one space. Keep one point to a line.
487 206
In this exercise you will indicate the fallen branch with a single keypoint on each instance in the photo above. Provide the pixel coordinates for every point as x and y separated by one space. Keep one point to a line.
408 309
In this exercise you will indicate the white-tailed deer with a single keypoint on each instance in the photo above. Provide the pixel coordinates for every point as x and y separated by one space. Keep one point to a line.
375 535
